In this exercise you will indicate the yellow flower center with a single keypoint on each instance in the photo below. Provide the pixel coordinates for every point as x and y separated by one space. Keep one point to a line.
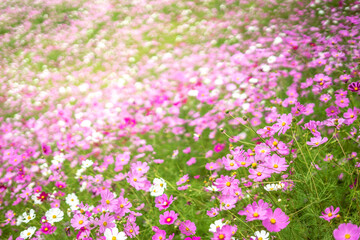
273 221
46 229
347 236
228 184
113 238
107 202
255 214
28 217
135 179
130 230
221 236
259 174
54 216
121 205
29 233
254 164
104 224
231 164
352 116
276 166
283 124
168 219
81 222
275 143
243 163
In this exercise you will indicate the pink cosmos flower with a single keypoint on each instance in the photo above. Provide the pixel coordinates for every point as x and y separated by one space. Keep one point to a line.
330 213
267 131
79 221
332 111
131 229
347 231
276 163
317 141
325 98
183 188
350 116
106 221
213 212
163 202
227 202
230 164
108 201
342 102
191 161
224 233
123 206
187 150
262 149
260 173
283 123
276 220
140 167
256 211
312 126
168 217
211 166
161 235
227 185
187 228
183 179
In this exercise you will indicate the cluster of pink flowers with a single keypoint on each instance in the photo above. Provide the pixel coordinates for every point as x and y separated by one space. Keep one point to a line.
117 117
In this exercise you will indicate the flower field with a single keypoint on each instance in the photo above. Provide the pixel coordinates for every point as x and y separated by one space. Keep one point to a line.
164 119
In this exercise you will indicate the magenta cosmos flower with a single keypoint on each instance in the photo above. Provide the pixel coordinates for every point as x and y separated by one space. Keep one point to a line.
347 231
168 217
276 221
162 202
354 87
330 213
187 228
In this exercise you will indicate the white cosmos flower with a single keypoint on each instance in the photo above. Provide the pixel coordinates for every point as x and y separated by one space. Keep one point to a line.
212 188
35 198
87 163
156 190
72 199
27 233
271 187
19 220
54 215
271 59
160 182
277 41
216 225
260 235
28 217
112 234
